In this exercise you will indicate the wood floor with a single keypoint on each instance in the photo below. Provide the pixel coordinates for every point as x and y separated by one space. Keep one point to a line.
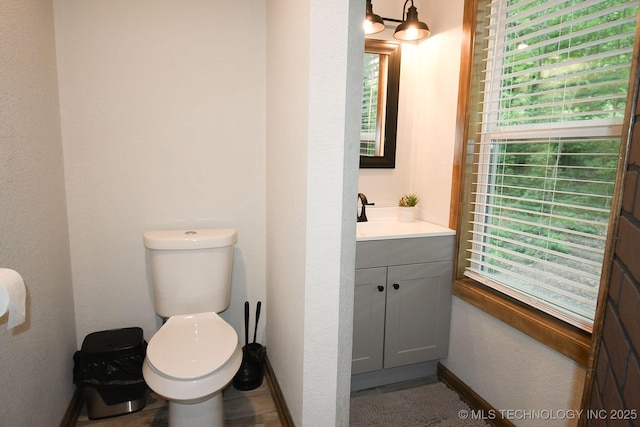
241 408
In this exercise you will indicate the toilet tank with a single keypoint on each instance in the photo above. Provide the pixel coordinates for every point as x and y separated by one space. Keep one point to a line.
190 270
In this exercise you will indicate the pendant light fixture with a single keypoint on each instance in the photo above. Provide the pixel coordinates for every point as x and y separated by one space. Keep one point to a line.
373 23
410 28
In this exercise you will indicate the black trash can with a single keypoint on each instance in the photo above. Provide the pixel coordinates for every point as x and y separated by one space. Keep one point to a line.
108 369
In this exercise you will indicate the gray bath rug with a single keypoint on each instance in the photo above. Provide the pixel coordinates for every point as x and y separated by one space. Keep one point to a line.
427 405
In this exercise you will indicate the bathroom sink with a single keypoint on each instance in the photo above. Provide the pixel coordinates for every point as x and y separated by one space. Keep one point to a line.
390 228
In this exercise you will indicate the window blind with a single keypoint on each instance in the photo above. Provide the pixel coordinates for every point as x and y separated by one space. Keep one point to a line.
555 77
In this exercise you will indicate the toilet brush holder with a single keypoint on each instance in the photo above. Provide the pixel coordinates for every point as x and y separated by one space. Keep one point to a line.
251 372
255 354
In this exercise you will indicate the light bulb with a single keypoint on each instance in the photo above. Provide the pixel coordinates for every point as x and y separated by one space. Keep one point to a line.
412 33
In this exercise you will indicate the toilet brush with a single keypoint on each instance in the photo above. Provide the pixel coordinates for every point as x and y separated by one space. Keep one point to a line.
255 330
246 323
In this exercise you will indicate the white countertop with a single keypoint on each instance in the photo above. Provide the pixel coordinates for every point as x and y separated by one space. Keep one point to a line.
382 224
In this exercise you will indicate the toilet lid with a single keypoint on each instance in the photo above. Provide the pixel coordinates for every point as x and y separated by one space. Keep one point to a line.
191 346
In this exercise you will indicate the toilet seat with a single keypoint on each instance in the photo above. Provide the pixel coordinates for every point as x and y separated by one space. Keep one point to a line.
192 356
191 346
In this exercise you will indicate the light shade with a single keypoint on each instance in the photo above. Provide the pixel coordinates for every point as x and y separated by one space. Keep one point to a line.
412 29
372 23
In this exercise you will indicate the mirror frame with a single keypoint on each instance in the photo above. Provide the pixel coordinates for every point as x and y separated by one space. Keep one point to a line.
393 50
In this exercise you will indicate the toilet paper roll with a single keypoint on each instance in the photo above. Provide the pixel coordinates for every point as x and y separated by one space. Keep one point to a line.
13 295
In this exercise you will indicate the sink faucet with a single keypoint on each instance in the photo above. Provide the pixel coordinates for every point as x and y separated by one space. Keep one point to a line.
362 217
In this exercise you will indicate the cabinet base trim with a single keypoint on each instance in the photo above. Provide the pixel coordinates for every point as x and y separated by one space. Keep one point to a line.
393 375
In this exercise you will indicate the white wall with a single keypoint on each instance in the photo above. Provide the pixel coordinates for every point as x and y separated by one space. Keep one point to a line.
36 357
512 371
286 177
336 58
313 95
434 109
163 123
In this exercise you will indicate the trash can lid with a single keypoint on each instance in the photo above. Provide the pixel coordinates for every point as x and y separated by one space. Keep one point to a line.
112 341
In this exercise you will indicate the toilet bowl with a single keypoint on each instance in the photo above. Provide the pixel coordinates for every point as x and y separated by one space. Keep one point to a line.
189 361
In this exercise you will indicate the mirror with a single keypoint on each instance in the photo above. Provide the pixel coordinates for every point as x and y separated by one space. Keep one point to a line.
380 87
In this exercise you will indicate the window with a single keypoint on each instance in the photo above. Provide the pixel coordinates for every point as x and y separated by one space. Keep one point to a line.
548 93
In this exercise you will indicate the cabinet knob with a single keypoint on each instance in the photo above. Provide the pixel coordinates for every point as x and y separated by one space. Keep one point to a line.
396 286
380 288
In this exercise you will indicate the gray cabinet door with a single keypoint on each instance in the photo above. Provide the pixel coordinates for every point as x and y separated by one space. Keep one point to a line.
368 320
418 313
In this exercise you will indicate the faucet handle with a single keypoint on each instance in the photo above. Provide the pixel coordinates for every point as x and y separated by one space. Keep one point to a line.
364 200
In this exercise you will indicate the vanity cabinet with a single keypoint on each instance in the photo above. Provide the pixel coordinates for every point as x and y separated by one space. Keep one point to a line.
402 302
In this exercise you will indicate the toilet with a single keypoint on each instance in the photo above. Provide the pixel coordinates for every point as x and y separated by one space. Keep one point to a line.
195 353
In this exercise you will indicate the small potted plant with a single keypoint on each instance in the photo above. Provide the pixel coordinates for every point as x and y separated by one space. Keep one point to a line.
407 207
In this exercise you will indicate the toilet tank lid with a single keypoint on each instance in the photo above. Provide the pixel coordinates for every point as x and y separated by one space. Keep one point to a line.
190 239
